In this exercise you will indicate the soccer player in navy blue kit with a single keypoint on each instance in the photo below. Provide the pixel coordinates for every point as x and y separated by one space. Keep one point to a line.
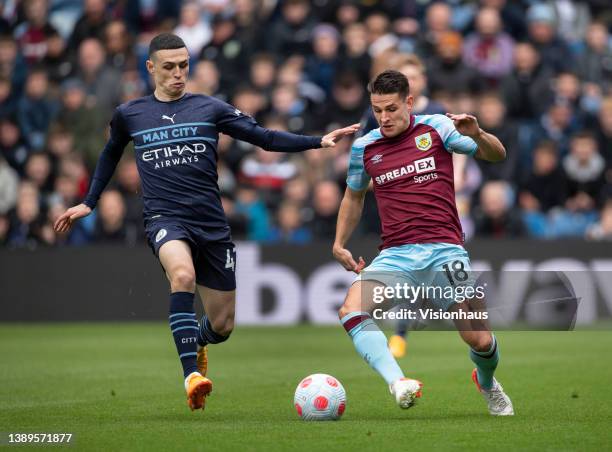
175 138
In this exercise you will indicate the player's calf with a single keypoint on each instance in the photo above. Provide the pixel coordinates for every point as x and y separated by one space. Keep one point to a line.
371 344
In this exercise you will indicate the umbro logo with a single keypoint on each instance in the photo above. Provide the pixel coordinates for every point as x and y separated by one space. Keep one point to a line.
237 112
377 158
169 118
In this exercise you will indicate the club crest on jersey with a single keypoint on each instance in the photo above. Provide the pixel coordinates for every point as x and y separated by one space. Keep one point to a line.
423 142
160 235
377 158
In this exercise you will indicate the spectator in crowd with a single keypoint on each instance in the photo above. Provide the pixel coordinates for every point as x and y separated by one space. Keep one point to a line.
250 17
12 66
326 202
26 219
492 118
604 130
489 49
12 146
559 123
204 79
36 109
91 24
346 105
57 63
262 73
585 171
527 91
32 34
496 216
595 61
572 19
555 53
38 171
101 82
545 187
226 51
73 166
237 220
437 21
446 70
287 105
110 224
117 44
356 57
192 29
251 206
84 121
322 66
291 34
290 228
8 98
512 16
146 17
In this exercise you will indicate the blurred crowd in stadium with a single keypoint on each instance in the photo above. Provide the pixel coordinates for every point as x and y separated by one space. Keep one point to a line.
538 74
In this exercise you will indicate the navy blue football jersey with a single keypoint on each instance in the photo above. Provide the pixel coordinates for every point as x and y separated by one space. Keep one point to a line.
176 152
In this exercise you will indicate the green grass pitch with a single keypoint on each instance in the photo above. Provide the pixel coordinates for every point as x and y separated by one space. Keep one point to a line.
118 387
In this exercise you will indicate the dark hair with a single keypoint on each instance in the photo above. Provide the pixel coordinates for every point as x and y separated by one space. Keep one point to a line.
165 41
390 82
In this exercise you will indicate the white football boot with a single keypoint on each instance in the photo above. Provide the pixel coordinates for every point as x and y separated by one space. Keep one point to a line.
406 391
497 400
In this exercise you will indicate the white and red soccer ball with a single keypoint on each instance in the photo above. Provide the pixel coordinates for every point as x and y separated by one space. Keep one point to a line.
320 397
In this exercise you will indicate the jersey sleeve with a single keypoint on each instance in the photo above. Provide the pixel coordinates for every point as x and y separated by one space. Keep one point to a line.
109 158
236 124
357 179
453 140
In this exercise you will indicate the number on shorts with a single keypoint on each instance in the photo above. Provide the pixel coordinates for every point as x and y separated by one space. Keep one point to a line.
458 273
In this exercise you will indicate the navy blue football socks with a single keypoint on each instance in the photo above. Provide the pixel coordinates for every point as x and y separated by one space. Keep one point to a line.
206 335
184 328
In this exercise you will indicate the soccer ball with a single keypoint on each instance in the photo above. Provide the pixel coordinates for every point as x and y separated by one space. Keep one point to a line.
320 397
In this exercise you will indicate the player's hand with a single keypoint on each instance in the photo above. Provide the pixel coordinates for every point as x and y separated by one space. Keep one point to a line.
345 258
465 124
330 140
65 220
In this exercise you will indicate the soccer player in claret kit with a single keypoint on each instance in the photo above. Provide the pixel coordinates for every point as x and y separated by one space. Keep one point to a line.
175 137
409 161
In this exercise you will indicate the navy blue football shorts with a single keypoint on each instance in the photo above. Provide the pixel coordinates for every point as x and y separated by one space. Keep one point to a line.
214 258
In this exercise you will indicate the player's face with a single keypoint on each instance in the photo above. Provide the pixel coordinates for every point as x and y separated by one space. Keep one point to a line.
170 69
392 112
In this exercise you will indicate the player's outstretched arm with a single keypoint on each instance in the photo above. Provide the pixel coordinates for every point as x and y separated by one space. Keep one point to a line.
348 219
243 127
489 146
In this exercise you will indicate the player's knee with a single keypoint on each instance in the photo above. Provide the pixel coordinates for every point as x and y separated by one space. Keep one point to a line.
346 309
223 326
482 342
352 303
183 278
